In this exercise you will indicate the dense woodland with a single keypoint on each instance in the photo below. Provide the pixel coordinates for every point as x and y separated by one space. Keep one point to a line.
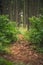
21 32
14 9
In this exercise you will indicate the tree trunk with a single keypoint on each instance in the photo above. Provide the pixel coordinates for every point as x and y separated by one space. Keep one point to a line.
17 12
1 7
14 10
25 12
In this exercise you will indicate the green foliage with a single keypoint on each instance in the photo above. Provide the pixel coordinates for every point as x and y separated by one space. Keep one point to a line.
36 30
26 35
5 62
34 36
8 30
40 50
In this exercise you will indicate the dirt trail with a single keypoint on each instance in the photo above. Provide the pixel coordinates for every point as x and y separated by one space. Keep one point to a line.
20 51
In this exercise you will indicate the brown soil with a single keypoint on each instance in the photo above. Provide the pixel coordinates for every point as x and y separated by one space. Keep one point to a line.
21 51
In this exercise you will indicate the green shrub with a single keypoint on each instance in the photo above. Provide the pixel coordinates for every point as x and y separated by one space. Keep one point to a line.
8 30
36 30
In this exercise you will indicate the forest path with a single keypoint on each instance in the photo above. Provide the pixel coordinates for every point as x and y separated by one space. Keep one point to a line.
21 51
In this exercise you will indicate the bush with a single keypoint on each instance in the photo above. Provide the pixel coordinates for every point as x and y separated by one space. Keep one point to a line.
36 30
8 30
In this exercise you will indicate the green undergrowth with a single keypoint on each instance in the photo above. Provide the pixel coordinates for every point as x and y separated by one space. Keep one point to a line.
40 50
8 30
36 48
35 33
36 30
4 50
22 30
6 62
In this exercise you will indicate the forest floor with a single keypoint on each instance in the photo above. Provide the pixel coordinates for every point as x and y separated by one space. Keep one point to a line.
21 51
